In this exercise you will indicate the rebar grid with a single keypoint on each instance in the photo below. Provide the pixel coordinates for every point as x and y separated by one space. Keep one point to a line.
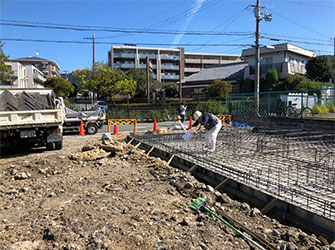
292 165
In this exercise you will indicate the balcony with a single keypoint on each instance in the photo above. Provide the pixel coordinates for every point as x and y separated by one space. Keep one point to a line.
170 66
266 67
124 55
170 77
211 61
124 65
151 56
143 66
193 60
170 57
39 78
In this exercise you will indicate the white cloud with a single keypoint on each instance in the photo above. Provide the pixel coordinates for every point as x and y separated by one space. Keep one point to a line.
195 9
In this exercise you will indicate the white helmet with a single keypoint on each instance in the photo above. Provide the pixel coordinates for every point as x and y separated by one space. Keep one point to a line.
197 115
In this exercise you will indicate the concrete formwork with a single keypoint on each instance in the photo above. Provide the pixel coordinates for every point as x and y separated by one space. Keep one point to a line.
288 173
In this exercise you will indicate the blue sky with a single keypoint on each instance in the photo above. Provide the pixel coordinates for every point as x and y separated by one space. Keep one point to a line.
305 21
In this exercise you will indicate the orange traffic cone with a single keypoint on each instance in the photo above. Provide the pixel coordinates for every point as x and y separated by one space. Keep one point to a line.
190 124
155 125
81 131
116 130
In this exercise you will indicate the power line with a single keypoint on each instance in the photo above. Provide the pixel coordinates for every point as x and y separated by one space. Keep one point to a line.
295 22
296 41
296 37
109 43
129 30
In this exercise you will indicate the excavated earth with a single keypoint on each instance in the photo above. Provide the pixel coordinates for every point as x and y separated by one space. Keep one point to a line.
97 194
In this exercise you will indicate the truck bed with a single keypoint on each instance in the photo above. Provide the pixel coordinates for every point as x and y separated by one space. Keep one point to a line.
31 118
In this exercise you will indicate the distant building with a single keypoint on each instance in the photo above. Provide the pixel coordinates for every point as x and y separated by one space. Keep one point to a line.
47 67
285 58
24 76
165 61
194 85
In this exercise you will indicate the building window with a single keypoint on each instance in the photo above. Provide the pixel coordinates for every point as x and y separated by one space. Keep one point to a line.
198 90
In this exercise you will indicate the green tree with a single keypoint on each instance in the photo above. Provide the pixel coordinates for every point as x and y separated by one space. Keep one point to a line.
60 86
211 106
172 90
218 89
5 72
271 80
125 87
246 85
319 69
102 81
139 75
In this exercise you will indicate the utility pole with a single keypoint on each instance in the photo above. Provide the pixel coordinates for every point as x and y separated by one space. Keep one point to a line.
181 73
259 18
93 63
93 67
257 53
334 62
148 79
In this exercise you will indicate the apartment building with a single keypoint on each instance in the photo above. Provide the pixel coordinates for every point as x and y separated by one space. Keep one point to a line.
24 76
165 61
47 67
286 58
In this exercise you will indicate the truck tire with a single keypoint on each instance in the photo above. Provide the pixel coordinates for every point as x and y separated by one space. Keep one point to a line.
50 145
91 129
58 145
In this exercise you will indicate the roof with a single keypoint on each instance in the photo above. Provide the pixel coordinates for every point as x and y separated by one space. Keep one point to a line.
228 71
277 48
33 59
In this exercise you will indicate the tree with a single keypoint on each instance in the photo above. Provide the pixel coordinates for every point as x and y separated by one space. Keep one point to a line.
211 106
218 89
246 85
5 72
172 90
319 69
139 75
60 86
126 87
102 81
271 80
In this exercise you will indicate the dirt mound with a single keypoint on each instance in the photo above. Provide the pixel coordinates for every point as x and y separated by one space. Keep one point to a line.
110 195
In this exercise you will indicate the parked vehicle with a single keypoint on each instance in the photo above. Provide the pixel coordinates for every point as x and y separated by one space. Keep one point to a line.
103 105
30 118
92 120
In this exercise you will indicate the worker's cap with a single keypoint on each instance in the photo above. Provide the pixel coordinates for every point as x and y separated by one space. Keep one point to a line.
197 115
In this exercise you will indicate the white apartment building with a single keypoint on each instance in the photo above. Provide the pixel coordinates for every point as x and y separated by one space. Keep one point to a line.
165 61
24 76
286 58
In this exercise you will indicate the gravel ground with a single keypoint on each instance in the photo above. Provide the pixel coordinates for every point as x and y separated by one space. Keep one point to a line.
110 195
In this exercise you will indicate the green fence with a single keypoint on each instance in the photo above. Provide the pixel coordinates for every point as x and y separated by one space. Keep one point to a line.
311 103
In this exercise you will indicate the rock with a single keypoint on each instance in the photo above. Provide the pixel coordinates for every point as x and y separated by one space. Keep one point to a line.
87 148
254 212
312 248
27 245
21 176
275 233
210 188
282 247
91 155
245 206
188 185
291 246
185 221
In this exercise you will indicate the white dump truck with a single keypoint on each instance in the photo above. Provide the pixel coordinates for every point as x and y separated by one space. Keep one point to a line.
92 120
30 118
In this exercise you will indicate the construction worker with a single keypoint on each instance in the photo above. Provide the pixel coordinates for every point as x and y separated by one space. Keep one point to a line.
212 125
182 111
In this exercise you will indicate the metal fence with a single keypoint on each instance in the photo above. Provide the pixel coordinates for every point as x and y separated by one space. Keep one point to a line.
297 104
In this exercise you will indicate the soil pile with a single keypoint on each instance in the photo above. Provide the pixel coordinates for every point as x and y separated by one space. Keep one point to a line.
110 195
